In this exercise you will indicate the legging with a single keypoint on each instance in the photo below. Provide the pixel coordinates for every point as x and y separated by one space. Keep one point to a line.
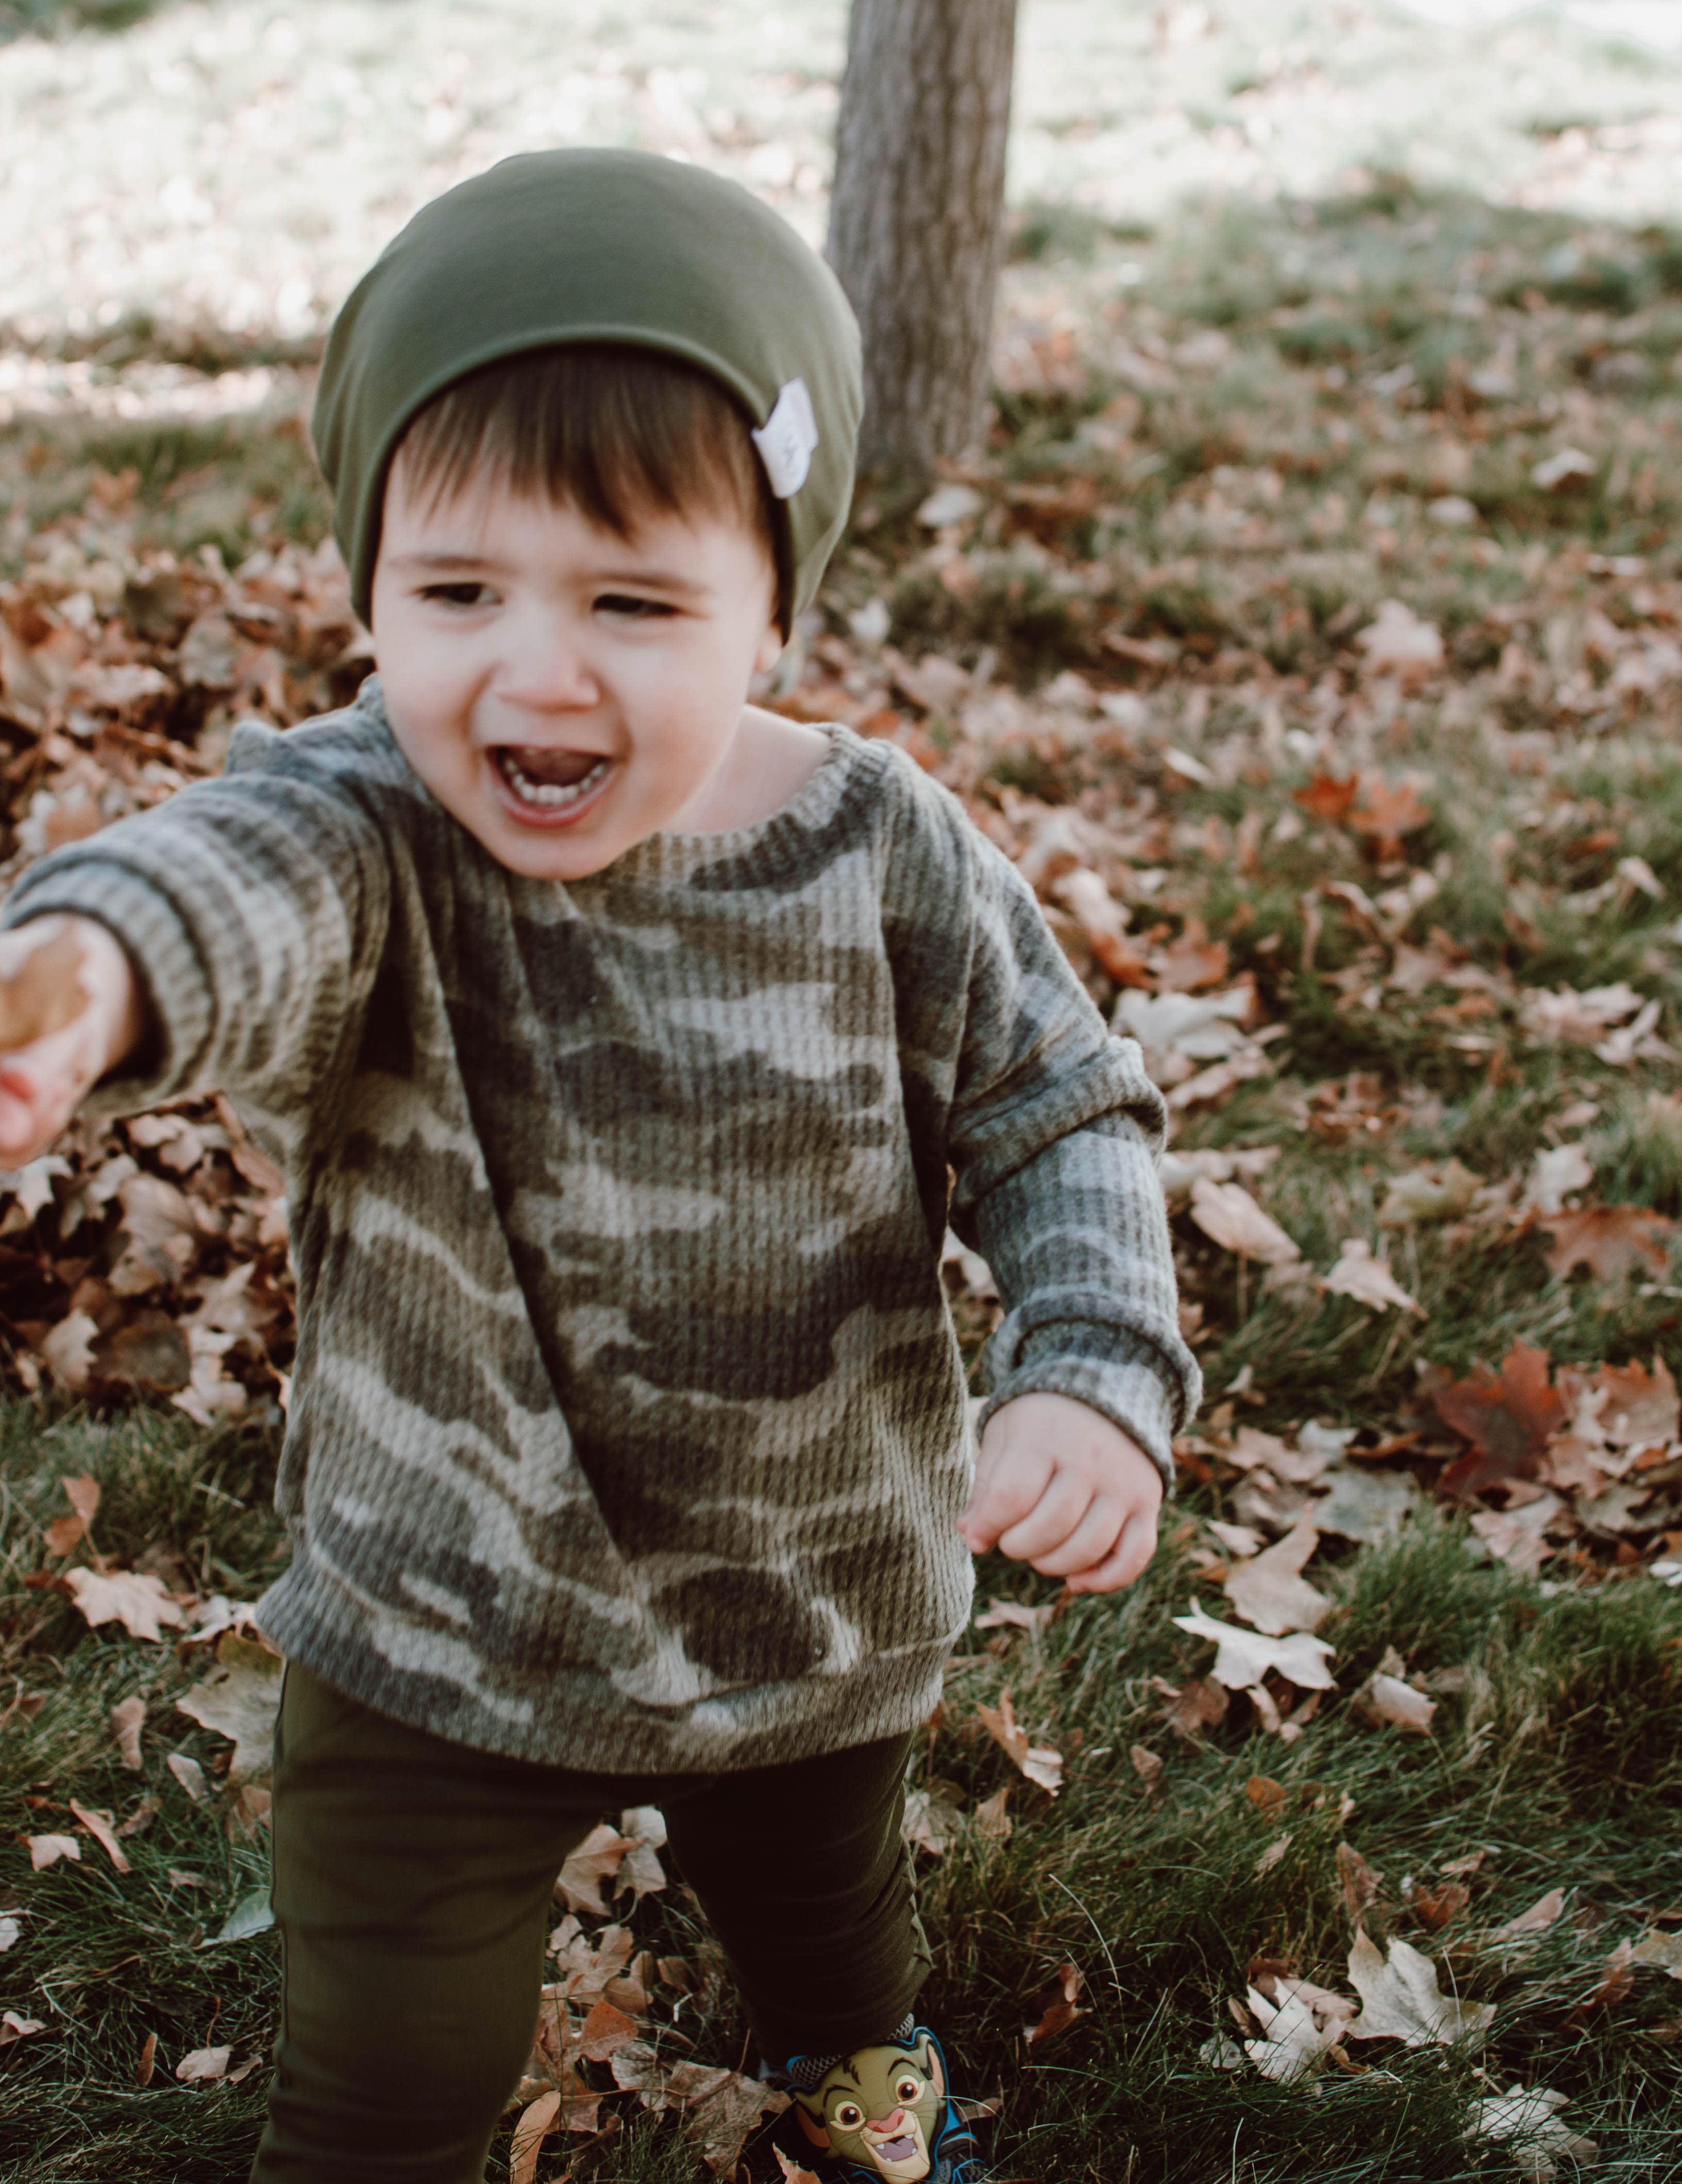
413 1890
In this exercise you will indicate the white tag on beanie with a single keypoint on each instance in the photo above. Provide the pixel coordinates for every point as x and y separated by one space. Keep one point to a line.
786 439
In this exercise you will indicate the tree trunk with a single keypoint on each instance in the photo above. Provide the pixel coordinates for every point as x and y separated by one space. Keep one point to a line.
916 223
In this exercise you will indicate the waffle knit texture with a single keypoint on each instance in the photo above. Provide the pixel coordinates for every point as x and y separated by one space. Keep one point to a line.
628 1426
592 244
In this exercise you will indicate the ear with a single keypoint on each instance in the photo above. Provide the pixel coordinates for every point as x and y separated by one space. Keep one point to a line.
932 2067
770 649
815 2131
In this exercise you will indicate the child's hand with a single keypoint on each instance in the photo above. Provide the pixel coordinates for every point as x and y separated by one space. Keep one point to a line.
1057 1486
70 1009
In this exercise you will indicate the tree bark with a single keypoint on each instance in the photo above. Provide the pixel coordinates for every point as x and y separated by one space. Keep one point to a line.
916 223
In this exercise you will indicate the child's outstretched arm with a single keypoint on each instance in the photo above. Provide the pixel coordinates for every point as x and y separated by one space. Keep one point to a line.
229 937
71 1011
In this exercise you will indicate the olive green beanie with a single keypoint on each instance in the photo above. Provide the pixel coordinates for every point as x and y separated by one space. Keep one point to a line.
595 245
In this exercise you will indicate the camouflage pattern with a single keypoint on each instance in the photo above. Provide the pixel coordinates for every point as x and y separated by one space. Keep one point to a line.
628 1421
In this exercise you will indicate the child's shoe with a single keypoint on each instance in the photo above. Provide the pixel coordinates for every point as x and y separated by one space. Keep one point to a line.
879 2115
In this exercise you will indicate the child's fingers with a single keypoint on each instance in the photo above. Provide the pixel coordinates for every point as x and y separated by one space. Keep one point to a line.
1009 1482
1129 1558
1060 1513
1088 1545
29 1119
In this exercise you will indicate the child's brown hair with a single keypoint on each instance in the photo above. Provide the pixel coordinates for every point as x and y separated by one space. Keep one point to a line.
616 430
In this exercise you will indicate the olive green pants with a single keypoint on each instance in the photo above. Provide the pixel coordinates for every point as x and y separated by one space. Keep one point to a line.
413 1890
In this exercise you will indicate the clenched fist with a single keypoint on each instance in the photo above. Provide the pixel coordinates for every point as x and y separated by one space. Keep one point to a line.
69 1011
1057 1486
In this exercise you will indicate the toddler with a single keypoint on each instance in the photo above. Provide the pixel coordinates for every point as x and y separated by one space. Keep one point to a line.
629 1050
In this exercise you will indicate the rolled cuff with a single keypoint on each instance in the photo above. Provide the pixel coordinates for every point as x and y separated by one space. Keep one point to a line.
1125 1381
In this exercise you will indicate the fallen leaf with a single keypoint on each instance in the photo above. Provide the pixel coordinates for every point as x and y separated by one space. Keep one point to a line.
1060 2009
536 2123
1541 1914
992 1824
1507 1416
1271 1857
1368 1280
1146 1764
190 1774
1013 1615
792 2171
1244 1658
931 1823
1388 1699
1300 2023
1528 2125
99 1826
240 1698
254 1913
1555 1174
139 1602
203 2066
1638 1408
1429 1194
1388 810
1329 799
47 1850
1041 1763
1365 1504
1359 1882
127 1718
1660 1953
1229 1216
1434 1907
1198 1704
1611 1241
1398 642
143 2066
10 1933
1518 1537
625 1855
1400 1998
1566 1017
1269 1591
65 1533
13 2027
1267 1795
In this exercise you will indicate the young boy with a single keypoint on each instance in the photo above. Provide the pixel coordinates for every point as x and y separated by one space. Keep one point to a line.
624 1045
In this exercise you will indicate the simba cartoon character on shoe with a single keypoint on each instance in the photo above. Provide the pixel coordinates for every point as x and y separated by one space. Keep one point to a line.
882 2108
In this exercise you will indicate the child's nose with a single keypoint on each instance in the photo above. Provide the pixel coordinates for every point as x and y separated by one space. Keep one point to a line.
549 669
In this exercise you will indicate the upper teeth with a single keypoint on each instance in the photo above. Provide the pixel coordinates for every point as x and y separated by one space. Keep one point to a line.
548 791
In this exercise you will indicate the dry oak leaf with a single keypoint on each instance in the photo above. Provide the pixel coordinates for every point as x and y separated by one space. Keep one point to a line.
1042 1764
1061 2007
1269 1589
627 1855
65 1533
1229 1216
1661 1952
13 2027
1507 1416
1245 1657
1435 1907
1366 1505
136 1600
1637 1409
1389 1699
99 1826
1541 1914
47 1850
1329 799
1014 1614
1368 1280
1400 1998
1398 642
127 1718
1611 1241
204 2065
535 2124
1297 2028
1359 1882
240 1698
1518 1536
1527 2124
1389 810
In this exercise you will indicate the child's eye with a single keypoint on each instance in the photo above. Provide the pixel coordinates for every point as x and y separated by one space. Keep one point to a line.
454 595
634 608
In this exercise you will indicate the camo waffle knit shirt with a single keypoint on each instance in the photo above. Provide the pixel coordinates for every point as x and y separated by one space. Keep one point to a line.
628 1427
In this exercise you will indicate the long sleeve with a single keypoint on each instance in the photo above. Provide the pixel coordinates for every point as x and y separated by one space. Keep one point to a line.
1054 1134
254 908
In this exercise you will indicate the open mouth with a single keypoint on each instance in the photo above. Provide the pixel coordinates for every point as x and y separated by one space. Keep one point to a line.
548 785
896 2149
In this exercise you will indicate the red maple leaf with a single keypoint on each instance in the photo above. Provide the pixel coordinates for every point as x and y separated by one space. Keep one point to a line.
1506 1416
1327 797
1609 1241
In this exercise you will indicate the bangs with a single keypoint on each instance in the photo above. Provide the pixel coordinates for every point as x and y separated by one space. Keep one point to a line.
620 432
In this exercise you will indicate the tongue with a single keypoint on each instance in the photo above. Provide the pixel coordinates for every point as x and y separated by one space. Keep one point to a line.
556 769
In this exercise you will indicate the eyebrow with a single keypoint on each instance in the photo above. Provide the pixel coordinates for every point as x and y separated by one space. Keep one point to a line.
664 580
